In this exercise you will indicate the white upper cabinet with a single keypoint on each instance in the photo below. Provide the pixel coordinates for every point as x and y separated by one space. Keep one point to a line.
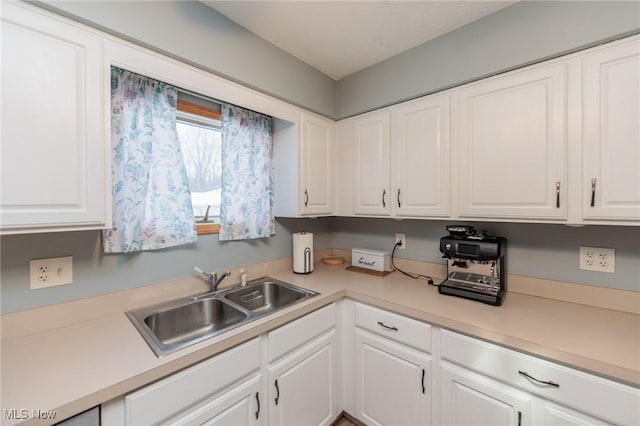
611 138
303 166
421 157
54 150
316 140
512 144
371 164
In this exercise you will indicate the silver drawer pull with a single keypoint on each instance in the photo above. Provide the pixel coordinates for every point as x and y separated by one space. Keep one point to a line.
381 324
548 382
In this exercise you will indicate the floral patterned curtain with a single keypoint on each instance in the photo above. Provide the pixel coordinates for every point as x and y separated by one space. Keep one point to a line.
151 199
246 209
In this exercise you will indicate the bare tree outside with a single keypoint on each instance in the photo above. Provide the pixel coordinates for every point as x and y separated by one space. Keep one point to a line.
201 150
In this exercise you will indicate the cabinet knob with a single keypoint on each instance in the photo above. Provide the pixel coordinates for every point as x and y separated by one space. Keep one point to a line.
306 198
399 204
384 193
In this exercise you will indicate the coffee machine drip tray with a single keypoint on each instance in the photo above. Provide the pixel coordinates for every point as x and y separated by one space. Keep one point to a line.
472 286
477 282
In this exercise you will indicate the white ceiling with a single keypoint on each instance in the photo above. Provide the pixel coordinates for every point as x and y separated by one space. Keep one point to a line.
342 37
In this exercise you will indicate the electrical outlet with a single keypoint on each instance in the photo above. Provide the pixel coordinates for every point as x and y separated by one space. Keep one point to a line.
598 259
50 272
400 238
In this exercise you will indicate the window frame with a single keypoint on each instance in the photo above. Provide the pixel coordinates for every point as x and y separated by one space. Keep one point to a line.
190 109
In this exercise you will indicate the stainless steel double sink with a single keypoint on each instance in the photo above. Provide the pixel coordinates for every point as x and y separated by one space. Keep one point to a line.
176 324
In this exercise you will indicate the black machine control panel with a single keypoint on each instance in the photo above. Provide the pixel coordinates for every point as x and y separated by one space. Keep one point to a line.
472 248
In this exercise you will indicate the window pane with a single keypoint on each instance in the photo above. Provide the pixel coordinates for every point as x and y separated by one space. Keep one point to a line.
201 149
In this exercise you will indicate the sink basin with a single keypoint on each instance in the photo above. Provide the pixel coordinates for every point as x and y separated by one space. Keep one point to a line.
266 297
193 320
179 323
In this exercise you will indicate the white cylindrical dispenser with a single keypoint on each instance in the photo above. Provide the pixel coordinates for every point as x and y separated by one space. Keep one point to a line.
302 252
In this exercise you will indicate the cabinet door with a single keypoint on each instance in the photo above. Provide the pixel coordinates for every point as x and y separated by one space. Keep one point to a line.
371 164
421 163
53 155
392 382
316 168
612 133
239 405
550 414
180 393
512 146
467 398
302 386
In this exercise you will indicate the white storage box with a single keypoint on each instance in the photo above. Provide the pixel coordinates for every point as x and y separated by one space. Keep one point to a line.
371 259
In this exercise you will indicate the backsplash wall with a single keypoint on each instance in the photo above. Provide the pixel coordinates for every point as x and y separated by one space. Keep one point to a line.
95 273
536 250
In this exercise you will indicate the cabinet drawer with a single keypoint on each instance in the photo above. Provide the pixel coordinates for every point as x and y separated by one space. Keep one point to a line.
594 395
179 391
393 326
294 334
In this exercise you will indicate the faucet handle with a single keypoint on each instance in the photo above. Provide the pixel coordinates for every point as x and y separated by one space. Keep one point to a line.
210 276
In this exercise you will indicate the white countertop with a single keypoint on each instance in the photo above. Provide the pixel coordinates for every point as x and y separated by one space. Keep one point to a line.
86 362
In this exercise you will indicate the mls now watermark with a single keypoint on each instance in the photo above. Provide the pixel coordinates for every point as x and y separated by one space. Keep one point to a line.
26 414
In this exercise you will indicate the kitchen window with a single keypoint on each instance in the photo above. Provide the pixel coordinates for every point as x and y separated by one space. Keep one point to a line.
198 125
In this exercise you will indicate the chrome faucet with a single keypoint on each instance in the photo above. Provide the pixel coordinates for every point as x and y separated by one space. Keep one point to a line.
212 278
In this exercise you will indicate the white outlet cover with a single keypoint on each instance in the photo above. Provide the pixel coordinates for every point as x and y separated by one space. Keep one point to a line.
598 259
50 272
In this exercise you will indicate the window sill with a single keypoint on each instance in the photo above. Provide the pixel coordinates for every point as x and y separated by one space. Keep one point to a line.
207 228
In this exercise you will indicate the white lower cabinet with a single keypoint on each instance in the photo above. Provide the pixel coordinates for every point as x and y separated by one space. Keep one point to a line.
240 405
467 398
226 386
302 370
302 385
486 384
548 413
392 382
392 372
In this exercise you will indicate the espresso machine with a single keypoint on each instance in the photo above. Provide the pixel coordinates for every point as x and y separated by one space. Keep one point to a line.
475 265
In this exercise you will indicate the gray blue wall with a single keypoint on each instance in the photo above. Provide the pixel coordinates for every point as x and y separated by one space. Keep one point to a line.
198 35
535 250
95 273
521 34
